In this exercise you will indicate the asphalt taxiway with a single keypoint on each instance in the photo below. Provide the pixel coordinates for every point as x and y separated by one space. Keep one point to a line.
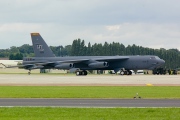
91 102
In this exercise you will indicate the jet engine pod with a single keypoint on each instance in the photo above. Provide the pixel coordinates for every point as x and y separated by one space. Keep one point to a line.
65 66
36 67
98 64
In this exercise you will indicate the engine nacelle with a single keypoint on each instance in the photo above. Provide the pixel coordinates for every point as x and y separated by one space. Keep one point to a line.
98 65
65 66
37 67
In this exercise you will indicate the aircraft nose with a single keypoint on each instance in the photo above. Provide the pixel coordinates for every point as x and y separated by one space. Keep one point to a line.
161 61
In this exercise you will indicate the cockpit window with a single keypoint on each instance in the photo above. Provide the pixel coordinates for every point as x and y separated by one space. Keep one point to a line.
157 57
152 58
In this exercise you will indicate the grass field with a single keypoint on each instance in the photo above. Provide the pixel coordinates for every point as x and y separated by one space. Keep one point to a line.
48 113
57 113
154 92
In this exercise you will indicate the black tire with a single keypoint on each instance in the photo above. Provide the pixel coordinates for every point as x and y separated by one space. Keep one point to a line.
85 73
77 73
122 73
129 73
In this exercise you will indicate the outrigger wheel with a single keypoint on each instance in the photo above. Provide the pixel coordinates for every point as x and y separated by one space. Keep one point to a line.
29 72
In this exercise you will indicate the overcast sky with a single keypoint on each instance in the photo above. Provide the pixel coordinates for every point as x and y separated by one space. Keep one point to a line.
148 23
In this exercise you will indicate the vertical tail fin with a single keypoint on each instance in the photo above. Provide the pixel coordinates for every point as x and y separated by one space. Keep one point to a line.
40 47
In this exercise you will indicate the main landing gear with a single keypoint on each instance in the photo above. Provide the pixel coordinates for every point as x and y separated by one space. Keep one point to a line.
125 72
81 73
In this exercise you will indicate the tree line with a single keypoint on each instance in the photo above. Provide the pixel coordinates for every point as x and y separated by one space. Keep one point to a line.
78 48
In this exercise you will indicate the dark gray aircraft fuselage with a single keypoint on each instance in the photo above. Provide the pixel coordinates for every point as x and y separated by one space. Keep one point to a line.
131 63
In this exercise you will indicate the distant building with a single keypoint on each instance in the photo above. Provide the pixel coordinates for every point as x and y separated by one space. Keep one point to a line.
4 58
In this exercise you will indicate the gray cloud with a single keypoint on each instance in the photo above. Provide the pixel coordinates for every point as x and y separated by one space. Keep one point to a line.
77 12
148 23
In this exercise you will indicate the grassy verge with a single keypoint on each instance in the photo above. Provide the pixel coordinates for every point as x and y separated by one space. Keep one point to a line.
48 113
154 92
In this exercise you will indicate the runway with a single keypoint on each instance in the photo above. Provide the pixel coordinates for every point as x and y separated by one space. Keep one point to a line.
91 102
90 80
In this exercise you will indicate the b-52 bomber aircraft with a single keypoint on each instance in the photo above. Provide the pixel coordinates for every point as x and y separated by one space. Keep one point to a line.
45 59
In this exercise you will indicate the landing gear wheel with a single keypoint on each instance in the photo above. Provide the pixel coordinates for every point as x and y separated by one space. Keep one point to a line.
77 73
84 72
80 73
129 73
29 72
122 73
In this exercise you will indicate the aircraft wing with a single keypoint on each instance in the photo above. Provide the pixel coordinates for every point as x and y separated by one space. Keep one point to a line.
22 66
9 66
65 61
26 66
107 59
113 58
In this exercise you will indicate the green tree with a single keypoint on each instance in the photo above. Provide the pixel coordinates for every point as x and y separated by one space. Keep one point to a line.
88 53
17 56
